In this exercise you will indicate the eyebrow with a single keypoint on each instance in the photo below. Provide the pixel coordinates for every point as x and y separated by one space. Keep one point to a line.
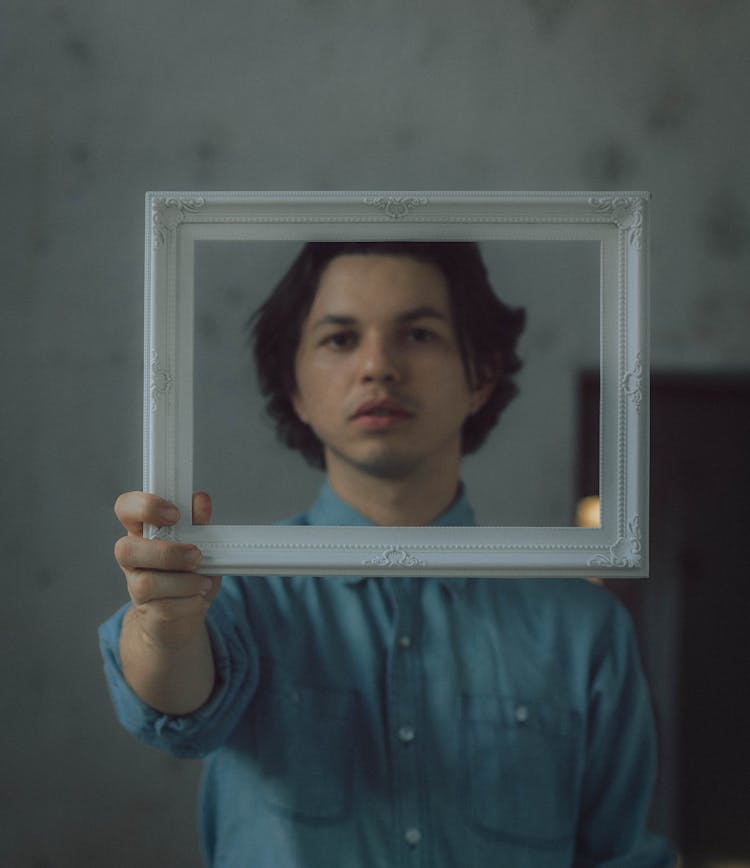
424 312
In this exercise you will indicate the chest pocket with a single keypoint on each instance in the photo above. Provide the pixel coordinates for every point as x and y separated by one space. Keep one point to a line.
522 765
305 745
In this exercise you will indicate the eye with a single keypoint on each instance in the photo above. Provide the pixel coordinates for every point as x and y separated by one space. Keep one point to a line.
420 335
343 340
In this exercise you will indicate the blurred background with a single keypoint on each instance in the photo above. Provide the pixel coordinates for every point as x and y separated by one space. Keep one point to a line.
103 101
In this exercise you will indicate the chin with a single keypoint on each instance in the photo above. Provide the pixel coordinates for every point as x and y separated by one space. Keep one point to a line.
390 470
382 466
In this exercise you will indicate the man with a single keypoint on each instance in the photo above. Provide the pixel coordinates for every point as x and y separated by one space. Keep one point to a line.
387 721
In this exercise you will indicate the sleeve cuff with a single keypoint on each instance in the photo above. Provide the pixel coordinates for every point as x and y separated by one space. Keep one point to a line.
196 734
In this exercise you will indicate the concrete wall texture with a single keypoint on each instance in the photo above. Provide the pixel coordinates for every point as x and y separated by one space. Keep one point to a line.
103 101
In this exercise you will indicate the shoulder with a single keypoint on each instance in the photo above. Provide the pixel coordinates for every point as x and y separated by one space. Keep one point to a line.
573 597
572 610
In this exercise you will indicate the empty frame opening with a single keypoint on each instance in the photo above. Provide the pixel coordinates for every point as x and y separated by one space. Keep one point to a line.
526 473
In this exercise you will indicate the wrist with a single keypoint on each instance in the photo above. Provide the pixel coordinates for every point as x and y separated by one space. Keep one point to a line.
168 638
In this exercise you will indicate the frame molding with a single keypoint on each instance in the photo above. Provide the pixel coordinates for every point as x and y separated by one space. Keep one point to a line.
618 221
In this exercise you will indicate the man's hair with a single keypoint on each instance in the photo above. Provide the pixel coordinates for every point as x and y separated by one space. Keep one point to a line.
487 331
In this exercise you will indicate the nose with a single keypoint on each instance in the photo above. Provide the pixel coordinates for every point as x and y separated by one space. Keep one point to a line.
379 362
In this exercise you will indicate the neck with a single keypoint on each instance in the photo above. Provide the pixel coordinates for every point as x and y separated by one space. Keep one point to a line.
402 502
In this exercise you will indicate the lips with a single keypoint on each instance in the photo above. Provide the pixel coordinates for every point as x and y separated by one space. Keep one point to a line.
380 414
381 408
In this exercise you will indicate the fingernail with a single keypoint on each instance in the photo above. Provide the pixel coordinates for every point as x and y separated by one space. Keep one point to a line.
206 585
193 557
170 513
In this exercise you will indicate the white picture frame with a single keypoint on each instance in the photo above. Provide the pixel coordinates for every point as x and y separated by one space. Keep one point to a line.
616 221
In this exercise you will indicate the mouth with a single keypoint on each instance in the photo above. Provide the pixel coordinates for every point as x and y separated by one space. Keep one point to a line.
380 414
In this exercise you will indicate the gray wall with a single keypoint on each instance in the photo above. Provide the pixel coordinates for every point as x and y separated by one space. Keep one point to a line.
101 102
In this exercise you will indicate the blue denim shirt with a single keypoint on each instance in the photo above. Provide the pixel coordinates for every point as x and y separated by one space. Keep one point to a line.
449 723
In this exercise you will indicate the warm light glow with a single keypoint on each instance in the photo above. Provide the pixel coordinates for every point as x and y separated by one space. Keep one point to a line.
588 512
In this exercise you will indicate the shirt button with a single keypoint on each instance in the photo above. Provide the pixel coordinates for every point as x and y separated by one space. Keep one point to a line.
406 734
522 714
404 641
413 836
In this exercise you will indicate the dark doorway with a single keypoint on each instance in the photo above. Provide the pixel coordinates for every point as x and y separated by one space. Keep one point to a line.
692 615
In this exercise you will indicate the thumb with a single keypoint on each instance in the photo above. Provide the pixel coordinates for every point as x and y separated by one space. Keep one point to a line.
201 508
202 515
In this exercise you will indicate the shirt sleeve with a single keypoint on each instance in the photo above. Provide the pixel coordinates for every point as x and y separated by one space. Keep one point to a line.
620 759
236 662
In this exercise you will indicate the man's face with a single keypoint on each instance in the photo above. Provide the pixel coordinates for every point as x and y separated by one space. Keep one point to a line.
379 373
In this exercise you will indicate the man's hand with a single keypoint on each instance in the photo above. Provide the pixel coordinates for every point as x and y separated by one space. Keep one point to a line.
164 646
169 599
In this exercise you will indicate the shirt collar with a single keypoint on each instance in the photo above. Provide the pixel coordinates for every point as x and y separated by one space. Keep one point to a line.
330 509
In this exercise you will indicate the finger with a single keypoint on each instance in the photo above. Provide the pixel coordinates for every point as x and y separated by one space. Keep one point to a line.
201 508
146 586
136 553
136 508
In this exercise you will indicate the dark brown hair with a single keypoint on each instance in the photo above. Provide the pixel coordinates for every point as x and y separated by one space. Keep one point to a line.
487 331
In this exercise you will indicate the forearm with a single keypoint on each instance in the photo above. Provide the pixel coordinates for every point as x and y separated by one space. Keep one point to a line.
173 681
